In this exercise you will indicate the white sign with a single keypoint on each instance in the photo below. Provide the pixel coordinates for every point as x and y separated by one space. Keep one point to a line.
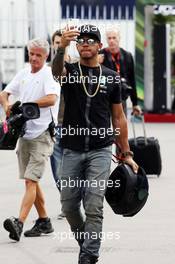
165 10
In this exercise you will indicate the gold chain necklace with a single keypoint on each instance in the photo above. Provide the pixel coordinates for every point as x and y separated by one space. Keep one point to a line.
84 86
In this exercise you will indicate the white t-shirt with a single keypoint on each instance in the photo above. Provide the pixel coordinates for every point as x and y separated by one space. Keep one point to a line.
29 87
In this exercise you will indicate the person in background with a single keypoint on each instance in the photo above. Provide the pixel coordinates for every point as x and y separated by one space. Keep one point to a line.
56 157
121 61
33 84
56 39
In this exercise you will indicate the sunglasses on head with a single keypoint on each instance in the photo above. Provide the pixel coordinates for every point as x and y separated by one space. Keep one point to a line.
89 41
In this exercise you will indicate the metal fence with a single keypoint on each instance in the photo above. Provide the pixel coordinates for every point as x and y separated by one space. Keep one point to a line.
98 12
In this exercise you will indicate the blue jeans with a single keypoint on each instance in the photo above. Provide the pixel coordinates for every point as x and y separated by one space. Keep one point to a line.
90 171
56 158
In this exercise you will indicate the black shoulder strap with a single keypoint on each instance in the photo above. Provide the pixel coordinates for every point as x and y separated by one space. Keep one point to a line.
51 114
123 66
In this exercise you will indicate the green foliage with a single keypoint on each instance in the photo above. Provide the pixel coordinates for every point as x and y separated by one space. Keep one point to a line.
161 19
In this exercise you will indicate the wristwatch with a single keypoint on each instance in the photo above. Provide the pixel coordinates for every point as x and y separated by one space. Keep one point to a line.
127 153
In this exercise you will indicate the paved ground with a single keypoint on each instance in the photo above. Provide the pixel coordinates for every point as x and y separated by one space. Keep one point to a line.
146 238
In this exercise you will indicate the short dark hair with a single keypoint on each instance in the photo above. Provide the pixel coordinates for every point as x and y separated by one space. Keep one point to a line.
56 33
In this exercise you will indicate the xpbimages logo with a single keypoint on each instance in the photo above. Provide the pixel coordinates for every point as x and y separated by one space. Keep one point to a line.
75 78
90 184
101 132
102 236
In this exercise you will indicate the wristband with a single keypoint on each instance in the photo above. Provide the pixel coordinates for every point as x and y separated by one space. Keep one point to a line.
126 154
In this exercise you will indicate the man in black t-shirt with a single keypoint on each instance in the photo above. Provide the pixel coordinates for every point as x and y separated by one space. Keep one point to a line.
92 97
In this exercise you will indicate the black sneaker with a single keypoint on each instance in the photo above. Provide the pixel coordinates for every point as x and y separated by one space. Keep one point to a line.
87 259
14 227
42 226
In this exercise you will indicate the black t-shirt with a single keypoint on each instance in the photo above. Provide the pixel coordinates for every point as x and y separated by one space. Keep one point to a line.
87 123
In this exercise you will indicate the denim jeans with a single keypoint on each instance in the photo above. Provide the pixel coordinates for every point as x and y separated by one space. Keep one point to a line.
88 171
56 158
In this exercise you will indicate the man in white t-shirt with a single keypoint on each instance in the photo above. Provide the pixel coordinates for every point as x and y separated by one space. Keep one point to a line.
33 84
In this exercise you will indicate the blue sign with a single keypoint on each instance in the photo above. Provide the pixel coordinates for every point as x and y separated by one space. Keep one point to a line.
105 8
